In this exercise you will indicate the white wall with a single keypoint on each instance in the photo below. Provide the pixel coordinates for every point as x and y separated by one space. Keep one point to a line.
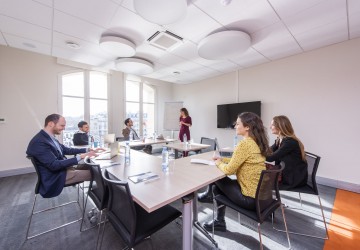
29 92
318 91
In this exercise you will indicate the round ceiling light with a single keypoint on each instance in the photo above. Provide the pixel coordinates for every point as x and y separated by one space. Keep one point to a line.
224 45
117 46
135 66
161 11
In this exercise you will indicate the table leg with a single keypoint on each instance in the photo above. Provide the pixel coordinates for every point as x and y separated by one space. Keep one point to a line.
198 225
187 243
176 154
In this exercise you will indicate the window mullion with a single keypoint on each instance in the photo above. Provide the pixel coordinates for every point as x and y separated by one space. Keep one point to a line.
87 96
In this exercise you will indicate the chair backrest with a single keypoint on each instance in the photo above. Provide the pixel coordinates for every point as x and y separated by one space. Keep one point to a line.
267 196
313 164
33 161
209 141
121 208
98 187
120 139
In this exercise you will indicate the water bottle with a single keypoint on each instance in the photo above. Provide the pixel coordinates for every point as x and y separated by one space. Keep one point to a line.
165 160
90 141
235 141
185 140
127 153
155 135
131 135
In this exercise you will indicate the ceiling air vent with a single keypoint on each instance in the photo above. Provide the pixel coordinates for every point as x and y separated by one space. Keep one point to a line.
165 40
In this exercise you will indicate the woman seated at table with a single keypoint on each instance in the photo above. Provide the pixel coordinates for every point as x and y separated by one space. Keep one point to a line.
289 149
247 162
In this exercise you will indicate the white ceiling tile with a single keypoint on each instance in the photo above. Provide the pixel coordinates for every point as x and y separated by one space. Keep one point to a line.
2 39
275 42
128 4
76 27
45 2
59 40
195 26
223 66
132 26
27 44
72 55
23 29
292 7
321 14
354 6
24 10
250 58
89 10
354 25
322 36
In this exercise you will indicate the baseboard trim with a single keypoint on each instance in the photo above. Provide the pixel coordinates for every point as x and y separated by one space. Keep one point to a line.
18 171
338 184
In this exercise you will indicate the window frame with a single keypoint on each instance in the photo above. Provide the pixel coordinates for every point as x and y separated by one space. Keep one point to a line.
86 96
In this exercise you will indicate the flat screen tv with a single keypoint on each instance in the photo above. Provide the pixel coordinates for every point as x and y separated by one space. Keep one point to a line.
227 113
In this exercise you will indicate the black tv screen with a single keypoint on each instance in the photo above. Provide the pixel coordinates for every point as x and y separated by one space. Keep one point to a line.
228 113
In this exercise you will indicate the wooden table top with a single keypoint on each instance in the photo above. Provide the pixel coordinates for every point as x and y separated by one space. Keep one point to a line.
182 179
181 146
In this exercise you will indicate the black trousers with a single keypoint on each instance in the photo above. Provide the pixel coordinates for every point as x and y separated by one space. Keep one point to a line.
231 189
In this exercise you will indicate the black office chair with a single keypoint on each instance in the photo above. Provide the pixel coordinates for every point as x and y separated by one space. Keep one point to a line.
131 221
267 200
37 186
120 139
310 188
209 141
99 194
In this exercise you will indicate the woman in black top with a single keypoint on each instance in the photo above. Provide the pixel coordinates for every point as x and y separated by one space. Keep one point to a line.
289 149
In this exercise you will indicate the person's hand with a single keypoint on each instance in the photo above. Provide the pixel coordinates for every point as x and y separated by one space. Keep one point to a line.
90 154
97 150
217 162
216 157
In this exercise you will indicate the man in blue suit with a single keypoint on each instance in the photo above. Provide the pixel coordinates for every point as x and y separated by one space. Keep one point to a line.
54 168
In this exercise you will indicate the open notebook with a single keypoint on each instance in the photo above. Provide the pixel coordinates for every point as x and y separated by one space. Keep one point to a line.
147 176
202 161
108 155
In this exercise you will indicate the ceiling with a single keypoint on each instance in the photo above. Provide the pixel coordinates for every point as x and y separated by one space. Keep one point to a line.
278 29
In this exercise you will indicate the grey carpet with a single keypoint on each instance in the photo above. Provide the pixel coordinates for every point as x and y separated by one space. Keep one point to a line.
17 195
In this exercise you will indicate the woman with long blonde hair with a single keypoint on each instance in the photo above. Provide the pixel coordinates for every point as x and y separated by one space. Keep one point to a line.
289 149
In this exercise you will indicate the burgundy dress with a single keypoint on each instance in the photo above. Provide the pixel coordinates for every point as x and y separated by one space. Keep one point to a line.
185 129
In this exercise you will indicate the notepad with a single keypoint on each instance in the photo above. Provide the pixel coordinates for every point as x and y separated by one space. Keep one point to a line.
143 177
201 161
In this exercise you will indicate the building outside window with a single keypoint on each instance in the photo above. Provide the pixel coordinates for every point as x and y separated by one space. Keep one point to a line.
84 96
140 106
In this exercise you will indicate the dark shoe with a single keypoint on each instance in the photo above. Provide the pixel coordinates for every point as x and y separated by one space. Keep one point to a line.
205 197
218 225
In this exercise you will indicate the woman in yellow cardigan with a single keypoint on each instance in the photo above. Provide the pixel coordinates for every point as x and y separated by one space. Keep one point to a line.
247 162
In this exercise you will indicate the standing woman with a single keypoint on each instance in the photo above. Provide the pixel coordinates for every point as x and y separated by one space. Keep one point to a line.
185 124
289 149
247 162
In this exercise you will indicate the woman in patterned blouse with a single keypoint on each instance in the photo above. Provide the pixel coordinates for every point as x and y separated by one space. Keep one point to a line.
247 162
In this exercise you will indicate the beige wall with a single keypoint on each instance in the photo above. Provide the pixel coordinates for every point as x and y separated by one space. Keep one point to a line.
29 92
318 91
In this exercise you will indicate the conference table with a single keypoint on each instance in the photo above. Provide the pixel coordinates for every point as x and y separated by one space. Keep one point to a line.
147 141
181 181
186 147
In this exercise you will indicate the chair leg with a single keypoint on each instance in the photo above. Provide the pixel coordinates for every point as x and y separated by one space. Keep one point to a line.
260 239
322 213
83 214
32 213
286 229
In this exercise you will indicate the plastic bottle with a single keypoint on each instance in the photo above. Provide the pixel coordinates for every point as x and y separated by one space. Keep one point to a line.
127 153
165 160
131 135
90 141
235 141
185 140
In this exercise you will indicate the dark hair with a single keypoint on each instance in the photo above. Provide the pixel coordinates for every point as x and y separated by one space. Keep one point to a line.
52 118
256 131
185 111
127 121
283 124
81 124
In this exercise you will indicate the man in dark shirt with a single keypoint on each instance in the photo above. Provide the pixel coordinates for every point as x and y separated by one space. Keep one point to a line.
130 134
81 137
55 169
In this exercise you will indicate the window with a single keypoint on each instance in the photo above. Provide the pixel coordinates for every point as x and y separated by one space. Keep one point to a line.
84 96
140 106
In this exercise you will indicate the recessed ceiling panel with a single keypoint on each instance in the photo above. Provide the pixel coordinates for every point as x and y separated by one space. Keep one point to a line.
289 8
27 44
250 58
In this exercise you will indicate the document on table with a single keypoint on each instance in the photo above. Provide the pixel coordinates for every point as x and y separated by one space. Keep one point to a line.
143 177
201 161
